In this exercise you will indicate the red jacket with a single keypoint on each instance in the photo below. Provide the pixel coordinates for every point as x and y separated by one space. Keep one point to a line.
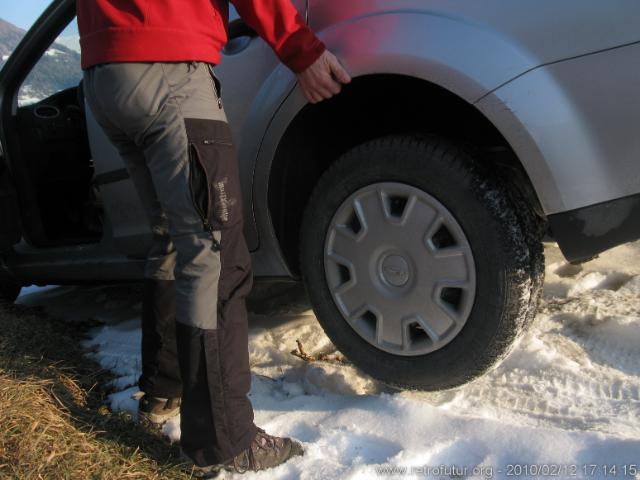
188 30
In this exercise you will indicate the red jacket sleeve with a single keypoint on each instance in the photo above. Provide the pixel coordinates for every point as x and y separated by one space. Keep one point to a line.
281 26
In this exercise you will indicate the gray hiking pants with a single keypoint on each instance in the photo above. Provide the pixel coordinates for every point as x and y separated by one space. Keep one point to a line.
169 126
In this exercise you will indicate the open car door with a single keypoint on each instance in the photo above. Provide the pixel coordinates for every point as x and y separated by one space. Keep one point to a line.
10 230
129 226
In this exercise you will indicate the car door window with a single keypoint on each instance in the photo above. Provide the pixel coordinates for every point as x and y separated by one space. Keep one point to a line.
58 69
233 13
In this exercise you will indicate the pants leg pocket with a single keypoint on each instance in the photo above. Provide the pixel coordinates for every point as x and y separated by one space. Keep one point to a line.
214 177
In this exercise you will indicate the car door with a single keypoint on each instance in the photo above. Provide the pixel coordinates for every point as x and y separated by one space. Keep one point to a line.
41 157
10 231
246 62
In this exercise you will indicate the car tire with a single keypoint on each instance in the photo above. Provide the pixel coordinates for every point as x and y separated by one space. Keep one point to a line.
9 291
492 225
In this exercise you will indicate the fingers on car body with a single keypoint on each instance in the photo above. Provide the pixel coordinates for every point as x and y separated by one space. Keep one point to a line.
324 78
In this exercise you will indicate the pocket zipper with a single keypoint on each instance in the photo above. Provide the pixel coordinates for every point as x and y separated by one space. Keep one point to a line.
216 86
217 142
215 246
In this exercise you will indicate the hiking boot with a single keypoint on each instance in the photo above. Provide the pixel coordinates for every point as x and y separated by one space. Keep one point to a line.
266 451
156 410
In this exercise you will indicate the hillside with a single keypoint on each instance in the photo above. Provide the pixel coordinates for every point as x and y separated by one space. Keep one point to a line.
58 69
10 35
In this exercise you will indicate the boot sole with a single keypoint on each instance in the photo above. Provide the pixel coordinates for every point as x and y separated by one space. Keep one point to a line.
213 471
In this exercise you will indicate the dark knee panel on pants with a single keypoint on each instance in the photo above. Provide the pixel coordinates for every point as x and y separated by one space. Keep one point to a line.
215 364
216 380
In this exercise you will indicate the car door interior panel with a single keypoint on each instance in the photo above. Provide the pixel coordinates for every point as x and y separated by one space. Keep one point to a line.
54 143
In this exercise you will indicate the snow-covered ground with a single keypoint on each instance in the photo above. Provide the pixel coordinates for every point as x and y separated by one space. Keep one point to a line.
565 402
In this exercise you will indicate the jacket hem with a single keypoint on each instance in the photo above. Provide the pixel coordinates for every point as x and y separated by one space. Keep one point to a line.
145 45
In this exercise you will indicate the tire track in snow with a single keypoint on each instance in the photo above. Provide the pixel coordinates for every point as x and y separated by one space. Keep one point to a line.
579 366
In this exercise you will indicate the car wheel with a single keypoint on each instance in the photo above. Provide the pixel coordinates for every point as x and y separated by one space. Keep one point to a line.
421 267
9 291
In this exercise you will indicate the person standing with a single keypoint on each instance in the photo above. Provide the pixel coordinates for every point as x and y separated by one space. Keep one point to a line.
149 82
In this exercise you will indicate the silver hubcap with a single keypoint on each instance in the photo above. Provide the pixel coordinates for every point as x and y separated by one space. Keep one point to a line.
400 269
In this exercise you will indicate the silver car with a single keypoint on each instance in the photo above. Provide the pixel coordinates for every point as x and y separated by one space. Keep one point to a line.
412 205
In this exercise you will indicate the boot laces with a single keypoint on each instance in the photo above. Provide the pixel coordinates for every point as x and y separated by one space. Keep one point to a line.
265 442
247 460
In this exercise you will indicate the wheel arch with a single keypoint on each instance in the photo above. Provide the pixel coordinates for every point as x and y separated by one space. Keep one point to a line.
316 137
404 45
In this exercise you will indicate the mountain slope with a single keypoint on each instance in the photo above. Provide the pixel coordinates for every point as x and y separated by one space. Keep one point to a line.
10 35
58 69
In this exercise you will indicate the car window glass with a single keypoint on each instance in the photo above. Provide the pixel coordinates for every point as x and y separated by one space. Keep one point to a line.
233 13
58 69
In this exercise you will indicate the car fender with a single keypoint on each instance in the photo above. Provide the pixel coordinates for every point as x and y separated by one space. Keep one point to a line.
460 56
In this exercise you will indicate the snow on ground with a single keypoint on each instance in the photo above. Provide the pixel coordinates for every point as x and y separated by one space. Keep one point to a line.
568 397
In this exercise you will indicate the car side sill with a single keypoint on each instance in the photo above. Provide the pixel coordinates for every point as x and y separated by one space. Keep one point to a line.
585 232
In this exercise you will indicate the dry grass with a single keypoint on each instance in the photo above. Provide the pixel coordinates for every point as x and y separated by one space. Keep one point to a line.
53 421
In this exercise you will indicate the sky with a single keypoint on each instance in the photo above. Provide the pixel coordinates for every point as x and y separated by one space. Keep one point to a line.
24 13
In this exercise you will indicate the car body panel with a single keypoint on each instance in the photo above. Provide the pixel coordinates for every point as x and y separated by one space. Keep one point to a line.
509 59
475 62
246 121
131 231
543 31
465 47
574 127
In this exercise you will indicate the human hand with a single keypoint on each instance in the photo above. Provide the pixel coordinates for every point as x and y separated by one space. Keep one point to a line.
324 78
